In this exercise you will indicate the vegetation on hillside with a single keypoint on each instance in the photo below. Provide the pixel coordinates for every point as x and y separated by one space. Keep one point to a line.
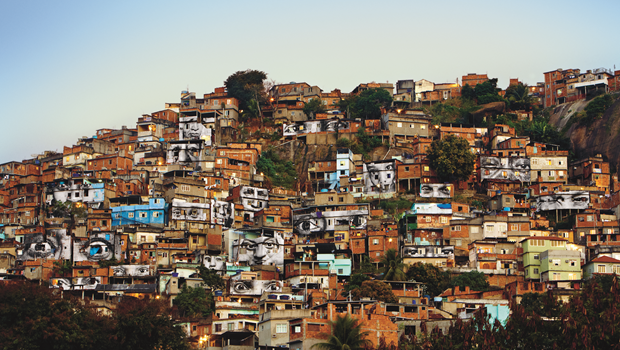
452 158
279 173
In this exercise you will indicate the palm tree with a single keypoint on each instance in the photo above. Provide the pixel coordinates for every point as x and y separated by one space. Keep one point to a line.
346 335
519 97
393 266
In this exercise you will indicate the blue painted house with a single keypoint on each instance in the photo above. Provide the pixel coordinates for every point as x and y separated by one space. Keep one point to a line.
155 213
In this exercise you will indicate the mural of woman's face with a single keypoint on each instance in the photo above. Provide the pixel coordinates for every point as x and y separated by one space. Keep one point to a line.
263 251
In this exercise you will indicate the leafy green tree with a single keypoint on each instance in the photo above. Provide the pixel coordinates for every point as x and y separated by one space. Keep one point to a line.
475 280
366 105
211 278
193 302
542 304
487 92
355 282
376 290
519 97
366 266
452 158
143 324
468 93
314 106
343 142
246 86
346 334
393 266
595 109
279 172
436 279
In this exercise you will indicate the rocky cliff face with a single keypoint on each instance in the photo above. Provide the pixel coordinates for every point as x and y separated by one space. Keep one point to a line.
601 137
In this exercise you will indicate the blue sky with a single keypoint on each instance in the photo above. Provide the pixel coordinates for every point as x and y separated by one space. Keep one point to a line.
72 67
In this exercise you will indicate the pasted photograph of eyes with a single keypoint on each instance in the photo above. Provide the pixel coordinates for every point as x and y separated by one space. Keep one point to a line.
119 271
97 249
306 224
272 286
491 162
40 247
435 190
520 164
358 221
63 283
242 287
142 271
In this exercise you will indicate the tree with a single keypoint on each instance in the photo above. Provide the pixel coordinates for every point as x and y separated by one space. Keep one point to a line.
355 282
346 334
280 172
475 280
451 158
366 105
314 106
193 302
393 266
487 92
211 278
468 93
375 290
434 278
519 97
146 324
246 86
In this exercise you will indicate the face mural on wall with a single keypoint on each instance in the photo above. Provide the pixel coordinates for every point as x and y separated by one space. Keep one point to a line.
254 287
100 246
222 213
305 224
429 251
563 200
254 198
436 190
263 250
379 177
185 152
189 211
61 283
215 262
314 126
76 283
129 270
191 129
54 244
511 169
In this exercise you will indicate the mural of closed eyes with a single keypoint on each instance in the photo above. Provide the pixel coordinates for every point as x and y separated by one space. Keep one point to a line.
435 191
254 287
563 200
508 169
307 224
94 249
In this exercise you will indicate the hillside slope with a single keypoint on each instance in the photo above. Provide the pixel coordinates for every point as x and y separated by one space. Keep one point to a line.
601 137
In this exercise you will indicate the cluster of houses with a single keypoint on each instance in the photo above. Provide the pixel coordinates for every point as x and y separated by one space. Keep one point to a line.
151 204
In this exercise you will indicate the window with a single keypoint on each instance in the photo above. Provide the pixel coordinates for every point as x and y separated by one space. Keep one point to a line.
104 222
427 218
399 125
557 276
155 214
142 214
600 268
281 328
444 220
514 227
406 168
375 241
130 215
555 262
218 327
297 329
535 271
536 256
557 243
456 228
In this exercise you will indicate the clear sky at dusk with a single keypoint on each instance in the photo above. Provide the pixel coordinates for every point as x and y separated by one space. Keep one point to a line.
72 67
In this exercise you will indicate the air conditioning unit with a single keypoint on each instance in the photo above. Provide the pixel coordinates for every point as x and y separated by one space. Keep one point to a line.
273 335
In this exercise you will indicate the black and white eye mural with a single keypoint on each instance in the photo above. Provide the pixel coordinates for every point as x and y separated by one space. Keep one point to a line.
222 213
436 190
190 128
129 270
254 198
86 282
305 224
314 126
254 287
100 246
263 250
563 200
61 283
54 244
429 251
185 152
510 169
334 125
379 177
189 211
